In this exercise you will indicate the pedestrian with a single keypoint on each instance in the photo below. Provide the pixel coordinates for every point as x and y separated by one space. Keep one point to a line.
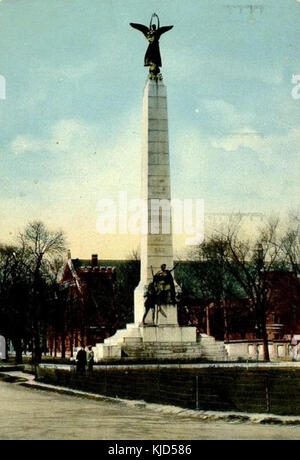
81 361
90 360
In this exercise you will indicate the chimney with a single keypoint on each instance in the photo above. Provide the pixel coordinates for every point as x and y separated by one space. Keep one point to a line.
94 260
69 255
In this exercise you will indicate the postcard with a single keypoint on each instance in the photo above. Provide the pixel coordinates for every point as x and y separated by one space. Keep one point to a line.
149 222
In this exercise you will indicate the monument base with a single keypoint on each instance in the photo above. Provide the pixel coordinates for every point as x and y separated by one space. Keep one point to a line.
164 340
168 334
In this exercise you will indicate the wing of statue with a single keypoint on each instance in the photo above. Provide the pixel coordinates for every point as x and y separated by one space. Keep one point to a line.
140 27
164 29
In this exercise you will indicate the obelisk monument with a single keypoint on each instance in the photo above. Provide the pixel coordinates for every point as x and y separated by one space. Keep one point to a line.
155 333
157 243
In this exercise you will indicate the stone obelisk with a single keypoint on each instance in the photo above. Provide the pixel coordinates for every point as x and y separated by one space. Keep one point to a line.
157 242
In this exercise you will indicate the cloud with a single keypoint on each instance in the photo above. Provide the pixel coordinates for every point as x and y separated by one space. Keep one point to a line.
231 143
242 172
83 158
23 144
268 148
225 113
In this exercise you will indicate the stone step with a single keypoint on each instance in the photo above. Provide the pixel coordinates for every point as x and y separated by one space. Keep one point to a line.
132 340
207 339
115 338
180 351
134 332
103 352
131 326
212 348
212 345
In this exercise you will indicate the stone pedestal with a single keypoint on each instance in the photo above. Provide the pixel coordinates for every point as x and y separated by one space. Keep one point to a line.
168 334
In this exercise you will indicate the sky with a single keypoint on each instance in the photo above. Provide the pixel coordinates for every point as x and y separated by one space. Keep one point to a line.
71 121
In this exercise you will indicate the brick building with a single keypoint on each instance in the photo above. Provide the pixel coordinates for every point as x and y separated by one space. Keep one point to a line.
234 319
87 307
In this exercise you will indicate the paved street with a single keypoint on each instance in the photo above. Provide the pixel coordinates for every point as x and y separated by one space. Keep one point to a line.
33 414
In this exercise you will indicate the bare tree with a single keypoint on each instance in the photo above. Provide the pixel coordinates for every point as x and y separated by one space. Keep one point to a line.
41 247
41 243
291 244
251 263
15 285
215 282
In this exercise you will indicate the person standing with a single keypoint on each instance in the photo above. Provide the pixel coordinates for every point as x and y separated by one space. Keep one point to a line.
81 361
90 360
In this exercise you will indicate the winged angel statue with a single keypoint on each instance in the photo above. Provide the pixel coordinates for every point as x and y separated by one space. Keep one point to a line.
152 56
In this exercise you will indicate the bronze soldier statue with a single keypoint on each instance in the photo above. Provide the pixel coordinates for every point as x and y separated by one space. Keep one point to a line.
150 303
165 287
160 292
152 56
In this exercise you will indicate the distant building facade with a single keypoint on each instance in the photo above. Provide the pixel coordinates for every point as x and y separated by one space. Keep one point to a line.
234 320
87 306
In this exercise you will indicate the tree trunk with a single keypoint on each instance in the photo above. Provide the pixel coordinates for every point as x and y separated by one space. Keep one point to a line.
226 329
71 339
63 345
264 333
17 343
37 351
207 321
55 345
266 346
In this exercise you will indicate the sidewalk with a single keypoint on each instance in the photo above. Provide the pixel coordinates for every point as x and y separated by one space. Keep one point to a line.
28 381
6 367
